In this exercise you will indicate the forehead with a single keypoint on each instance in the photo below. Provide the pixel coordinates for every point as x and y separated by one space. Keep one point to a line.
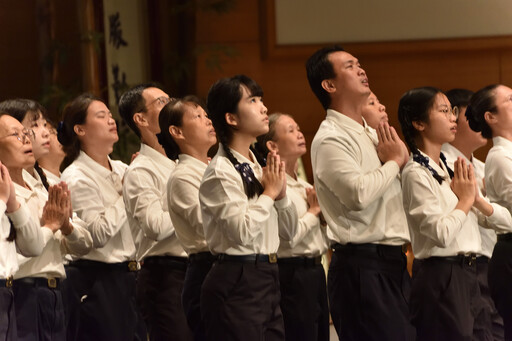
441 100
9 123
152 93
341 58
285 121
95 107
192 108
503 91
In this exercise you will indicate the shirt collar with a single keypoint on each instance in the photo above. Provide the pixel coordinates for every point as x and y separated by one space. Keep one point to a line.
155 155
501 141
440 169
96 167
345 122
190 160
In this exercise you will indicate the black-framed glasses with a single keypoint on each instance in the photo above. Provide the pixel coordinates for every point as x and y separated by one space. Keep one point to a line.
162 100
24 135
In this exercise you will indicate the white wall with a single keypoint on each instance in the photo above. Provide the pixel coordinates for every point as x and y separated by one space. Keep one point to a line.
322 21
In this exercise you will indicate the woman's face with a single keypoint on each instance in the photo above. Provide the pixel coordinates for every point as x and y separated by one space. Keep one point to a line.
288 141
251 118
503 103
442 125
15 143
197 128
55 146
99 128
374 112
41 142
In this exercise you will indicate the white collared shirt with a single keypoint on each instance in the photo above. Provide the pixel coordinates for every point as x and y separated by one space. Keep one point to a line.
233 223
29 238
310 239
437 228
361 199
56 245
52 178
184 208
498 174
96 195
499 220
145 198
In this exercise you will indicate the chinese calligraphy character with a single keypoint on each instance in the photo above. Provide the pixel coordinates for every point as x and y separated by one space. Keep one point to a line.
116 33
119 85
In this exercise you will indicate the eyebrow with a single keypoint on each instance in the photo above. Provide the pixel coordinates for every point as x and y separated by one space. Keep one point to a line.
101 111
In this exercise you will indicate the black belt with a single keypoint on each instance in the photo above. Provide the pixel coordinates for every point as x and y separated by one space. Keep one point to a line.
254 258
482 259
202 257
303 261
6 283
470 259
130 265
51 282
167 261
368 248
506 237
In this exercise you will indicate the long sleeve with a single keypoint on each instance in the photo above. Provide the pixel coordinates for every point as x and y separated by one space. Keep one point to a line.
143 199
79 241
287 217
29 236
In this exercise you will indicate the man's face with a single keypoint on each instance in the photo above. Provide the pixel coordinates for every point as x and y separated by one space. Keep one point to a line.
155 99
350 78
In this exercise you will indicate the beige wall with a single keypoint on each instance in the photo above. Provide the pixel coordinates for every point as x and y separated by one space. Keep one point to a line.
320 21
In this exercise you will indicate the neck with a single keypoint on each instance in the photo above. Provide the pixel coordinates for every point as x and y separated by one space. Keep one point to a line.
242 143
351 109
17 176
433 150
291 166
465 148
51 165
100 157
505 134
151 140
199 153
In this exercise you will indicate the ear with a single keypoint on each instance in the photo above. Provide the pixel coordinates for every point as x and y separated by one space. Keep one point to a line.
272 146
79 130
418 125
176 133
140 120
328 86
490 118
231 119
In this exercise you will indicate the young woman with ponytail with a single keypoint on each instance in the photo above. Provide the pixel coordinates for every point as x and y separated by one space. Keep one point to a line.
442 208
245 210
490 112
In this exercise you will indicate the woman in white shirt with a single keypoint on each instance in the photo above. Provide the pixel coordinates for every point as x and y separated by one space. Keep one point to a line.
50 163
301 274
17 231
445 300
38 299
245 210
187 134
490 112
104 279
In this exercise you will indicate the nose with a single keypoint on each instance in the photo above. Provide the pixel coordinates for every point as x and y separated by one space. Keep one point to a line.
382 107
208 122
264 109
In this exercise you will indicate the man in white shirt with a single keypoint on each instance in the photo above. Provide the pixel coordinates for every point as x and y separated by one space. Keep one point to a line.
359 191
465 143
164 262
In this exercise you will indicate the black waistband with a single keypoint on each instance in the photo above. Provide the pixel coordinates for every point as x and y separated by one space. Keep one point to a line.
301 261
6 283
368 248
130 265
51 282
205 257
506 237
254 258
470 259
167 261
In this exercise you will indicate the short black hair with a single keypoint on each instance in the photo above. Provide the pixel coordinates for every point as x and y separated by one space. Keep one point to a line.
319 68
132 102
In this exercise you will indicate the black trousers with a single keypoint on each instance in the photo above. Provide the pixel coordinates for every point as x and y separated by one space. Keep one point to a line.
8 330
159 288
39 310
198 267
369 288
446 302
240 301
304 300
100 301
491 316
500 279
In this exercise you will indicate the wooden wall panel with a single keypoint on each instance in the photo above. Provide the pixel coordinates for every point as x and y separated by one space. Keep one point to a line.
393 67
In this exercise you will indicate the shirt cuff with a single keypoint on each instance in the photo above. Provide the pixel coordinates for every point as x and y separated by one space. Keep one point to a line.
282 203
47 234
391 168
73 236
3 207
310 219
265 201
459 214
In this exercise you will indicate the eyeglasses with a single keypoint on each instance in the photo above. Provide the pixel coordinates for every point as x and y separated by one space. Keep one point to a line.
454 111
161 101
25 134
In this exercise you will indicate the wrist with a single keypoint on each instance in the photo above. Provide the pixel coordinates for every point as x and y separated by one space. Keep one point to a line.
12 206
